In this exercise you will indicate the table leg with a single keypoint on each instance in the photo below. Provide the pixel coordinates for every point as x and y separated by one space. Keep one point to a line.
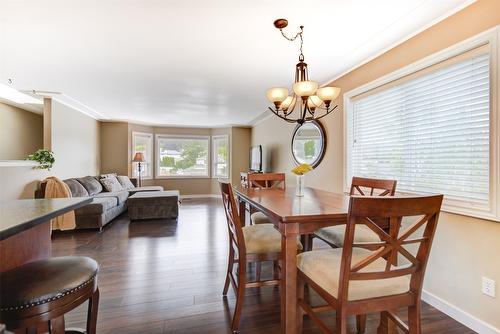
289 279
242 211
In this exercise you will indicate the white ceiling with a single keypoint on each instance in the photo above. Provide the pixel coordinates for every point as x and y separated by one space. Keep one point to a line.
193 63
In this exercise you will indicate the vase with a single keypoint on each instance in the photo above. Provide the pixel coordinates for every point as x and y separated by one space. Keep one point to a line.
299 189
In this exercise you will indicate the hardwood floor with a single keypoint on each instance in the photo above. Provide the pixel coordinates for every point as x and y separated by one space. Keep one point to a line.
167 277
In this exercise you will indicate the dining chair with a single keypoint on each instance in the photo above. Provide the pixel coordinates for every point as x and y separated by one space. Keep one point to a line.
334 235
248 244
264 181
357 279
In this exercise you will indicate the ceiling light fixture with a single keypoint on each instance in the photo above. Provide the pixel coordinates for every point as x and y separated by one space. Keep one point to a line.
313 103
11 94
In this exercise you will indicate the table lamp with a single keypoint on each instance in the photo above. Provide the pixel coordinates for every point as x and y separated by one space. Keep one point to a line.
139 158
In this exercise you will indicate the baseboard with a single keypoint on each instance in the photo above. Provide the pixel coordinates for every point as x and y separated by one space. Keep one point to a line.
199 196
458 314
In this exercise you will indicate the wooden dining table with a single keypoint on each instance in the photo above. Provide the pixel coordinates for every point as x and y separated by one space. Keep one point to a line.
293 216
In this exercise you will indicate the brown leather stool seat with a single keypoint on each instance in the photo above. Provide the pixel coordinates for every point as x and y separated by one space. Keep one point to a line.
44 290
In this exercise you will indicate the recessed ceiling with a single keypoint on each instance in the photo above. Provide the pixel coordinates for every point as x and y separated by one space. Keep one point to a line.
193 63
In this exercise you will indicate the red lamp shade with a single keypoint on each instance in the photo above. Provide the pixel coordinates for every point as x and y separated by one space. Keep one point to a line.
139 157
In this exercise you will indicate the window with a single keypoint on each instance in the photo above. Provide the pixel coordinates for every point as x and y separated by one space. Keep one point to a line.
182 156
220 156
143 142
430 130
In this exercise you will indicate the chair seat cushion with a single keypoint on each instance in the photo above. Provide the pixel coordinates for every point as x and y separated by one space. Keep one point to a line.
335 234
42 281
323 267
259 218
263 238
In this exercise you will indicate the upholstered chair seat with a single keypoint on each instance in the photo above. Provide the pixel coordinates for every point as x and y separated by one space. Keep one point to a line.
259 218
263 238
323 267
335 235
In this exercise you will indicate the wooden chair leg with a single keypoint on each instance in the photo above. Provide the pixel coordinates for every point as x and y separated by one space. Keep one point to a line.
258 270
300 312
276 269
383 327
230 264
414 319
92 313
341 320
240 296
56 325
361 323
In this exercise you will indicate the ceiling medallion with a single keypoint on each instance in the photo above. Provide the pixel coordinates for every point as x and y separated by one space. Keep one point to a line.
311 102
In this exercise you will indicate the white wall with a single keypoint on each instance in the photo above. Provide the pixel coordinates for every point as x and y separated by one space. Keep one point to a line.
75 142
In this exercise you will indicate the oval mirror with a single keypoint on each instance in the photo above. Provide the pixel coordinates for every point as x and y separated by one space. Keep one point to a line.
309 143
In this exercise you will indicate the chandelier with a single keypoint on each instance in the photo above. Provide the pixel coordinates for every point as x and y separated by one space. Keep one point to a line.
311 102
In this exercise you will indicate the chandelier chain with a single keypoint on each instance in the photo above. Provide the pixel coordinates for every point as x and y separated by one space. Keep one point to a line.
291 39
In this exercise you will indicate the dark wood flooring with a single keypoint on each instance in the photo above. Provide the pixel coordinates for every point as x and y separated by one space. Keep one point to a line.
167 277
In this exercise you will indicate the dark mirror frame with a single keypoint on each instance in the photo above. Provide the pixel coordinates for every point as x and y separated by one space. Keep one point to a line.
322 132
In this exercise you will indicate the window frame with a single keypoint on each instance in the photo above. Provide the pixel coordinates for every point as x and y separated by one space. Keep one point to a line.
157 156
214 158
151 158
491 38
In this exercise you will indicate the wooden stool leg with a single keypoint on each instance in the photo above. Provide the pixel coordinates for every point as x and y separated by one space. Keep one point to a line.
92 313
341 322
56 325
361 323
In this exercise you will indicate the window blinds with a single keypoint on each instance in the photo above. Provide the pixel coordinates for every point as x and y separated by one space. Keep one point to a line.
430 131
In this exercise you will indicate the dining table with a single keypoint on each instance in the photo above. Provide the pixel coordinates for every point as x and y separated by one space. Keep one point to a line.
293 216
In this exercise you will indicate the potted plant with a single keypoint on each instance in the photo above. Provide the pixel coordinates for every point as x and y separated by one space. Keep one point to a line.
45 158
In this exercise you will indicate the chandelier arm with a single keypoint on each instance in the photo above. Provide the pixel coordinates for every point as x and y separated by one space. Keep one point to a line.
283 118
320 117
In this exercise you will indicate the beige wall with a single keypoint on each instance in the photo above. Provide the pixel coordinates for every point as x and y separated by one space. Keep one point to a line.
465 248
116 153
75 141
20 182
21 132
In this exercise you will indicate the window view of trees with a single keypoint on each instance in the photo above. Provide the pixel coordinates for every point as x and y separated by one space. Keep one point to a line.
221 156
182 156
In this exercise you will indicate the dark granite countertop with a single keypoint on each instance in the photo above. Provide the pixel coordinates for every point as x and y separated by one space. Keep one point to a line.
19 215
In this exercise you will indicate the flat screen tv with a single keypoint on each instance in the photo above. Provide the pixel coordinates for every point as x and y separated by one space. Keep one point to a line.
256 158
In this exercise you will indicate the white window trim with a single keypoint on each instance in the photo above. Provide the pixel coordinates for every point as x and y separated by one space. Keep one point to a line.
491 37
214 158
151 137
157 161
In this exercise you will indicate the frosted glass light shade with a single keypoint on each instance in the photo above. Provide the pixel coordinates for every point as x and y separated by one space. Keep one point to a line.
286 103
305 88
277 94
328 93
314 102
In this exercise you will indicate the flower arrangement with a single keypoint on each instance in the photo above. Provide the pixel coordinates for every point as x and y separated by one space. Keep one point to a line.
44 157
302 169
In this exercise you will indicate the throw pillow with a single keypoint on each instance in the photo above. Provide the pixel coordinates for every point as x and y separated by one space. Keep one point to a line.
104 176
125 182
111 184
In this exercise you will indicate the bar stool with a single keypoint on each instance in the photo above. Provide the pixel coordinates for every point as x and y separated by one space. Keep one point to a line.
35 296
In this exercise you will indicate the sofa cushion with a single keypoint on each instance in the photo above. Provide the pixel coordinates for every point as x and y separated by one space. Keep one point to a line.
121 196
91 184
145 188
111 184
125 182
99 205
76 188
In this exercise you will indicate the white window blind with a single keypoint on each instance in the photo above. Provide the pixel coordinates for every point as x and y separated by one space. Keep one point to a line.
430 131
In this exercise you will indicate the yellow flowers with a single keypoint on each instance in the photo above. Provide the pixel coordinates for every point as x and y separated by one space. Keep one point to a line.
302 169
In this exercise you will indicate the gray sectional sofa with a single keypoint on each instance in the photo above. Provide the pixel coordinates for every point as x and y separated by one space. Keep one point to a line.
105 206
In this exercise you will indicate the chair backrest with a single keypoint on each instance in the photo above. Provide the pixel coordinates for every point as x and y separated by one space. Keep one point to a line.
372 187
266 180
424 210
236 238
